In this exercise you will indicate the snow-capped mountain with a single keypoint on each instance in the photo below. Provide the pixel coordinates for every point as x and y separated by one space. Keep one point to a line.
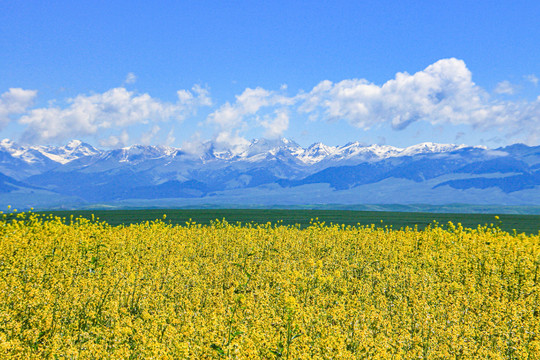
255 151
263 171
63 154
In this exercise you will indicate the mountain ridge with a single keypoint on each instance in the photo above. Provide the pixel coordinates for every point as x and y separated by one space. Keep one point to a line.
75 149
272 172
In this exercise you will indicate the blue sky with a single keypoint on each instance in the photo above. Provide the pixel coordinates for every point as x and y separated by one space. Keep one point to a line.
115 73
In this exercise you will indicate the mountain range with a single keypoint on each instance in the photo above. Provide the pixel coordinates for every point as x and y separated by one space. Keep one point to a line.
266 173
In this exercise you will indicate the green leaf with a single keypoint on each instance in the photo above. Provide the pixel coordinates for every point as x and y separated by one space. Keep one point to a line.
236 333
277 353
218 349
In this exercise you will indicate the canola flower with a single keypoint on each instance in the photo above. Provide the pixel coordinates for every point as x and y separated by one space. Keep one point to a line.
80 289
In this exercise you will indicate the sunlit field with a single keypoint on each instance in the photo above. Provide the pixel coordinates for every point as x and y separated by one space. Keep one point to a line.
74 288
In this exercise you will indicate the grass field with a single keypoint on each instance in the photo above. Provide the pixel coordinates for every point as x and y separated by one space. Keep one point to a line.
529 224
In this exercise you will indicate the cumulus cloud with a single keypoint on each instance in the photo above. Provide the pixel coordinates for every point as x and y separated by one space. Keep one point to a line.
248 103
230 119
116 108
505 87
443 93
195 145
276 125
147 137
116 141
13 102
197 97
230 140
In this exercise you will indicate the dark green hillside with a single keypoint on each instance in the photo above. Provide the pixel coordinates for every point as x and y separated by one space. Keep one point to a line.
521 223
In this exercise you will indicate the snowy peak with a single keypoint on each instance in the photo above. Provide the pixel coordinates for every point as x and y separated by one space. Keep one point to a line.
255 151
138 153
73 144
429 147
77 148
367 152
316 153
274 171
28 154
73 150
38 154
260 148
6 144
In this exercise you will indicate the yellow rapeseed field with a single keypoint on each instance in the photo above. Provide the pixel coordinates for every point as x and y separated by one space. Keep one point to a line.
80 289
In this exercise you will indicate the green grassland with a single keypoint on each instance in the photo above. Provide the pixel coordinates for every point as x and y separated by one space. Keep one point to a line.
529 224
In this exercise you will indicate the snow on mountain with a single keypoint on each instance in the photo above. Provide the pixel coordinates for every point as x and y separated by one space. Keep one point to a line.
366 153
73 150
62 155
138 153
7 144
257 150
209 170
356 152
430 148
316 153
262 147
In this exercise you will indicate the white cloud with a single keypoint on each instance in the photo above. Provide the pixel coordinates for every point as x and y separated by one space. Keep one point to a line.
130 78
505 87
116 141
169 141
275 126
197 97
13 102
116 108
147 137
532 78
194 145
520 119
442 93
248 103
230 140
230 119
